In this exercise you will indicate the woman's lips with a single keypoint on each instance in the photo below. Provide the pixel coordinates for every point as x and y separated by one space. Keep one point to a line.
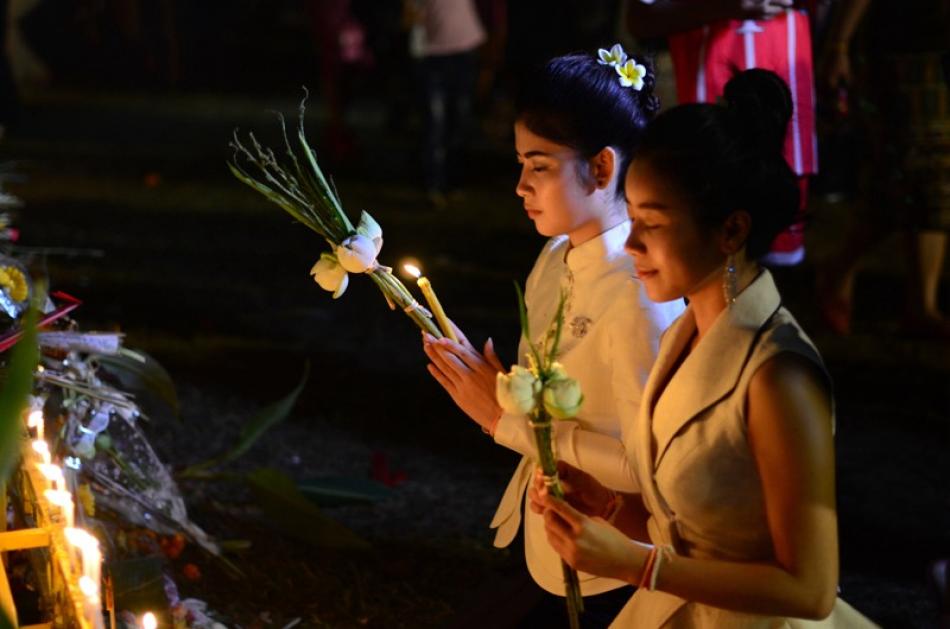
532 213
644 274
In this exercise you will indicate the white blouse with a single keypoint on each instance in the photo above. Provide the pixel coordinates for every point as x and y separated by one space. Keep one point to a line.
609 343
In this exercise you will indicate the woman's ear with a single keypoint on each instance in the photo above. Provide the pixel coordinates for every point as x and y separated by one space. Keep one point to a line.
603 167
735 231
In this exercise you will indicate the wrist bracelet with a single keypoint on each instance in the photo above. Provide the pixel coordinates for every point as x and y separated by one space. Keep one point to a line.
662 554
490 429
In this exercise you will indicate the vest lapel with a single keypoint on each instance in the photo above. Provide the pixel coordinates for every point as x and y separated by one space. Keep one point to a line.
713 368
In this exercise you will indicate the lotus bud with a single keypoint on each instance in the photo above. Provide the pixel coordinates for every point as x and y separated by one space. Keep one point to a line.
357 254
563 398
517 391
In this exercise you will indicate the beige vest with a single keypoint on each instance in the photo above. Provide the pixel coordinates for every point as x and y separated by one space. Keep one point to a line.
695 468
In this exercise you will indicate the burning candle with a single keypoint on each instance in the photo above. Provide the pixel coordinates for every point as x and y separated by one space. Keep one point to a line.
149 621
426 287
53 474
64 500
42 449
92 607
35 420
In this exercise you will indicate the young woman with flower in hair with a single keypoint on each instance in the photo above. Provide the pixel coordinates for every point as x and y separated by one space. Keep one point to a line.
579 121
735 524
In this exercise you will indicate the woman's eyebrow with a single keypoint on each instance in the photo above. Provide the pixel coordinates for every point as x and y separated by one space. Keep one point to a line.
533 154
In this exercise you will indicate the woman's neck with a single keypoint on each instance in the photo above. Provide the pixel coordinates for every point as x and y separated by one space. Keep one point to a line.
707 299
597 225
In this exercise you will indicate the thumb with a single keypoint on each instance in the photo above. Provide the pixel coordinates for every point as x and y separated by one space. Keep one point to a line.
491 356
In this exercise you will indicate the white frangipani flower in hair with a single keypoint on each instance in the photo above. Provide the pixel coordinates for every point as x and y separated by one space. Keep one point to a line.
631 74
613 57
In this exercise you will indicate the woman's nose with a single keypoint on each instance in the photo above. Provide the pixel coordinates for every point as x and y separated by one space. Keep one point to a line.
522 188
634 245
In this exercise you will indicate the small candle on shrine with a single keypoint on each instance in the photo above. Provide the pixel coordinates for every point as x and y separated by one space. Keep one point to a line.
53 474
35 420
92 605
426 287
42 449
64 500
149 621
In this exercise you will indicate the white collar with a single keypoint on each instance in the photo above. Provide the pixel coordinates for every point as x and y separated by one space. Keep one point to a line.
599 249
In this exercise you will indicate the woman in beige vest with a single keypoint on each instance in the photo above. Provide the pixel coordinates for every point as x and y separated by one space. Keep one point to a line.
736 524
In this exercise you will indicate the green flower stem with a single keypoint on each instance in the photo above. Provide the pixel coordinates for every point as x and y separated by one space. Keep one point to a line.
548 462
402 298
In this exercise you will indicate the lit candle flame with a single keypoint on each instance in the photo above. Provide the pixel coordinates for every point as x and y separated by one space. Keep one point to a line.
412 270
149 621
64 500
53 473
42 448
35 420
88 587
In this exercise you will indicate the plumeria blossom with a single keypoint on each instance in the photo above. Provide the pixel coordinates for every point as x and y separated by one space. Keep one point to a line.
631 74
328 273
517 391
613 57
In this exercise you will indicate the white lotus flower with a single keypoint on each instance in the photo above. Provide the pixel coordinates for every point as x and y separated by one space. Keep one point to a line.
563 398
517 391
370 228
357 254
328 273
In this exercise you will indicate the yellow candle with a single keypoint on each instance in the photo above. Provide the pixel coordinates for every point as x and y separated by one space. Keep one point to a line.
434 305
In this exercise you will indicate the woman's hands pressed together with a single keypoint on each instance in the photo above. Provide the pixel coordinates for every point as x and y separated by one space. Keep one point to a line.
467 375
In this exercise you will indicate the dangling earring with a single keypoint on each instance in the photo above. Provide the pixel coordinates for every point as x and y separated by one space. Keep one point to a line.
730 281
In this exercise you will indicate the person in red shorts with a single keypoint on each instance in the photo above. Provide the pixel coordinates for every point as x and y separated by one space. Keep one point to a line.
712 40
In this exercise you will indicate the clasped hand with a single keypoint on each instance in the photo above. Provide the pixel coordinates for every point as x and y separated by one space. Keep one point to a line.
466 374
578 533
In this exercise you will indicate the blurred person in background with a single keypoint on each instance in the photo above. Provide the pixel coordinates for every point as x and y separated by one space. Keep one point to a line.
711 40
898 67
445 36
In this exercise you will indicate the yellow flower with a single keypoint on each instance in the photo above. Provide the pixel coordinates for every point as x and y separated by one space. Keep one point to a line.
14 282
631 74
87 500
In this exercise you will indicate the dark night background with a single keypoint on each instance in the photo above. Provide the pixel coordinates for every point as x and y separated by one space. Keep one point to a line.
119 150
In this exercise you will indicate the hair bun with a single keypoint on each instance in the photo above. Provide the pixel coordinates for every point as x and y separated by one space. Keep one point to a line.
762 104
649 101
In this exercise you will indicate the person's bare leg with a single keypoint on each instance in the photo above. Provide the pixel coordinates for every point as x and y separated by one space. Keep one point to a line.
927 251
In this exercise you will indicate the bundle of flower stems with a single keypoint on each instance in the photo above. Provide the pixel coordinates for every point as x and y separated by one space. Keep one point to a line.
297 184
544 392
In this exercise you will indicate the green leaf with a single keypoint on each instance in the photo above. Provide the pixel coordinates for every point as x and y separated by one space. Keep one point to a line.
335 491
265 419
559 326
525 328
15 392
138 372
285 506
